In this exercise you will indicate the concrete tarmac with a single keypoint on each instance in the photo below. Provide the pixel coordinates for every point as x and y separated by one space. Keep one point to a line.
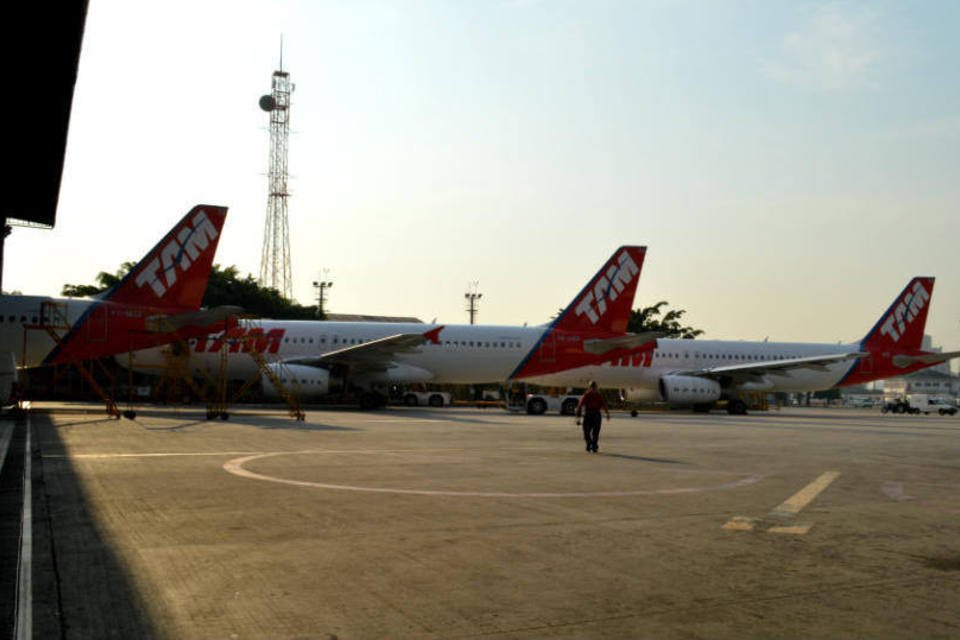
472 523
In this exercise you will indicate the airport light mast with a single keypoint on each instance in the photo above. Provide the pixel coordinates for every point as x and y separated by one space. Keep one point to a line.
473 298
275 257
321 286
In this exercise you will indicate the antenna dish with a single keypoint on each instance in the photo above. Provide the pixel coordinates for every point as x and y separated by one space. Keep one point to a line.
267 103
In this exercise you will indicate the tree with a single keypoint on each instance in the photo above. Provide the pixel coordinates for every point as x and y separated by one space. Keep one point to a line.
225 287
104 281
649 319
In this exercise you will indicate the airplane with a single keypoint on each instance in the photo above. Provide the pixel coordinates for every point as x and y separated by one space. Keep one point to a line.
701 372
312 357
155 303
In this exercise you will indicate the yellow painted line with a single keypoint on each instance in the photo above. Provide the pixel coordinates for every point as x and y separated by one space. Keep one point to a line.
786 510
798 529
795 503
740 523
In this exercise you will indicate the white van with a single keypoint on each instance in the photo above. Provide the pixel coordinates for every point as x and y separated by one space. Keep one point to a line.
927 404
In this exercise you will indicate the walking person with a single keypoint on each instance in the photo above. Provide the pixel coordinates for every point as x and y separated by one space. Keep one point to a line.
590 405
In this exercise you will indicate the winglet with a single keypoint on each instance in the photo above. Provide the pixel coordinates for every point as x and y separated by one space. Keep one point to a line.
433 336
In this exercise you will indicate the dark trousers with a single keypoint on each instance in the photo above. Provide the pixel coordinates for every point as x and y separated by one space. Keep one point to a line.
591 429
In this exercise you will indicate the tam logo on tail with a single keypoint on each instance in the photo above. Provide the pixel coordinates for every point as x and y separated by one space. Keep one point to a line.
902 325
608 287
599 310
181 251
905 312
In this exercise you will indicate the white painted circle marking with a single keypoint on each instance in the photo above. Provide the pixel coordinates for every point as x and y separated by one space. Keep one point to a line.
236 467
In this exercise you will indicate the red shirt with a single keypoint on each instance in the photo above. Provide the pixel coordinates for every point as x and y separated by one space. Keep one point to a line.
592 401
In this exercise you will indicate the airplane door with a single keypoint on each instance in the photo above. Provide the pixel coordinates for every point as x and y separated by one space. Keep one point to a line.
866 365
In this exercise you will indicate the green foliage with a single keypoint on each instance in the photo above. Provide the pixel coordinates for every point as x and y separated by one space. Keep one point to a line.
649 319
225 287
104 281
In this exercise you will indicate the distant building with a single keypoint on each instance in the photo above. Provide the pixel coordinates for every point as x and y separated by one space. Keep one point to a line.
929 381
943 367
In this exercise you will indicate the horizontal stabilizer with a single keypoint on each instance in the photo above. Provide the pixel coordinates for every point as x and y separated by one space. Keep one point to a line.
600 346
170 323
903 361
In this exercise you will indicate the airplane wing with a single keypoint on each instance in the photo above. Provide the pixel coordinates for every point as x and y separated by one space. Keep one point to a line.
600 346
903 361
375 355
753 371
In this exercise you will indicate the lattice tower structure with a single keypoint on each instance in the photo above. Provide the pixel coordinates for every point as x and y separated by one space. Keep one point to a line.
275 257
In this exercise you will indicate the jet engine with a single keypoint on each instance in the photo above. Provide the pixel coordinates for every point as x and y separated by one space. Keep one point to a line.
298 379
689 389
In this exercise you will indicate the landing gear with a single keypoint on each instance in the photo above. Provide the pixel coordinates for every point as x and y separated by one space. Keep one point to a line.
703 407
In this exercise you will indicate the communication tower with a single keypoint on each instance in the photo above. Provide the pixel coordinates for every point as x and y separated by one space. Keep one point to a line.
275 258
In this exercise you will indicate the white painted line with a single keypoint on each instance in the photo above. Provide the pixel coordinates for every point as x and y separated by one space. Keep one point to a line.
24 630
5 435
400 420
236 467
175 454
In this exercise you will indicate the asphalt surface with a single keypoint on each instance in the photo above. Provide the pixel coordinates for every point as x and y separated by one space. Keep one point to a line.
470 523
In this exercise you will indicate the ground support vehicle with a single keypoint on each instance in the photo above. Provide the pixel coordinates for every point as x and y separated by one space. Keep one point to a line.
426 398
540 403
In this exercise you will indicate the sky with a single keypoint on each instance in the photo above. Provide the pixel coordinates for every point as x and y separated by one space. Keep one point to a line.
790 165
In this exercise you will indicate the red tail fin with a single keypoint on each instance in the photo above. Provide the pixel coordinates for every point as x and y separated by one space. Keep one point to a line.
172 278
901 326
604 305
174 274
600 310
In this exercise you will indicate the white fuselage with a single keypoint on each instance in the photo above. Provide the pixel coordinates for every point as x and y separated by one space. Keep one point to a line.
20 325
464 354
643 372
469 354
